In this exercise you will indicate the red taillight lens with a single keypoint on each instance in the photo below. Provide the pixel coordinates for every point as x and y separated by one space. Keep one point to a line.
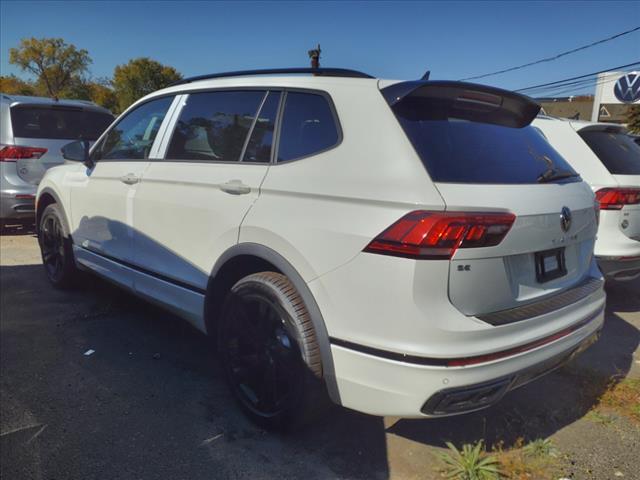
11 153
437 235
616 198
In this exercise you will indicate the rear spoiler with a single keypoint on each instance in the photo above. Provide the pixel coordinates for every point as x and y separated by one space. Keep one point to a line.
437 100
607 128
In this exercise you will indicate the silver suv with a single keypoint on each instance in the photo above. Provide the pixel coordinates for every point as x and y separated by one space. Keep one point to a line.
32 131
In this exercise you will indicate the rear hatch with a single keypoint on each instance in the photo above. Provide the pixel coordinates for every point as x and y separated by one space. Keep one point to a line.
44 129
481 153
620 154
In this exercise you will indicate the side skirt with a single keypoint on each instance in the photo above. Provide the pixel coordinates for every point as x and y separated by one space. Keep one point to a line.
185 301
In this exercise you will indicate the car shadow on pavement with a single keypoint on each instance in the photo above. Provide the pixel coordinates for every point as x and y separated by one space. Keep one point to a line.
151 399
18 229
543 407
623 296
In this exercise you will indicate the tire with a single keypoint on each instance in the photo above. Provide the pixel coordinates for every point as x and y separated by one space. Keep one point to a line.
270 353
56 248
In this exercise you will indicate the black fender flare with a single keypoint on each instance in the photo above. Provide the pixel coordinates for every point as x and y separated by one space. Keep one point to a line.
282 264
56 197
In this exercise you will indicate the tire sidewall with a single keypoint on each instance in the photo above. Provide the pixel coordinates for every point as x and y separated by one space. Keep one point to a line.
69 272
292 416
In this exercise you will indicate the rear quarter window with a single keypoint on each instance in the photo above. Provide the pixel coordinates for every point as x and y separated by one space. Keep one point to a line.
615 149
58 122
308 126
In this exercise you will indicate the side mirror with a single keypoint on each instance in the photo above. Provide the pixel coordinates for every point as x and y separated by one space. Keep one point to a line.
78 151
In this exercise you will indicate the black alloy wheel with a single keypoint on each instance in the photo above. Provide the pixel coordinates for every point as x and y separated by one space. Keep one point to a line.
56 248
270 352
52 246
262 360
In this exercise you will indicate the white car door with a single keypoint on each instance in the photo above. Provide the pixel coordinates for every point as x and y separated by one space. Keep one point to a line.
102 196
189 205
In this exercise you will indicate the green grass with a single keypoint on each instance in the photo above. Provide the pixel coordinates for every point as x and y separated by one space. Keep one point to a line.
540 447
539 460
470 463
623 398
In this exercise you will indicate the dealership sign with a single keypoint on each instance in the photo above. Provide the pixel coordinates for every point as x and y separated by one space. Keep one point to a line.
627 88
615 88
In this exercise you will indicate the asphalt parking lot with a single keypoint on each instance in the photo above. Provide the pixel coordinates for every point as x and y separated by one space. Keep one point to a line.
151 402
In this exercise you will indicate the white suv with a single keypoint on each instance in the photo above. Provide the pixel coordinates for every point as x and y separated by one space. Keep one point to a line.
413 249
609 160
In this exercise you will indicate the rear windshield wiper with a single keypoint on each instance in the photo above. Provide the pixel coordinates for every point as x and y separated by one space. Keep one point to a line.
551 175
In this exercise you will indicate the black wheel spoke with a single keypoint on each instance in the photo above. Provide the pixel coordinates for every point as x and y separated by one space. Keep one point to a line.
52 244
262 360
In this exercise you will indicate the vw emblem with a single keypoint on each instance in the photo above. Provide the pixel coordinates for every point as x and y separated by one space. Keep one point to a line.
627 88
565 219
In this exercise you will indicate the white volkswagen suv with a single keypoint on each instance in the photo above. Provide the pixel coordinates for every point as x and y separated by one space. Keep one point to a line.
413 248
609 160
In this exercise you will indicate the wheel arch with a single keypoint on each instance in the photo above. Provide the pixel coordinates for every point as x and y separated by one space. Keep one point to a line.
246 258
46 197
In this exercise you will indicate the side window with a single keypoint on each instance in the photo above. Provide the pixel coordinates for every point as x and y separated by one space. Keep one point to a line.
132 137
214 125
261 140
308 126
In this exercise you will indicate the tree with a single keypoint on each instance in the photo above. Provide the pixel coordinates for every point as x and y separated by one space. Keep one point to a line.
13 85
139 77
104 96
98 91
54 62
633 119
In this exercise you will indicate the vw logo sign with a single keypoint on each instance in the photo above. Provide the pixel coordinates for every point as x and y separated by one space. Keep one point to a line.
565 219
627 88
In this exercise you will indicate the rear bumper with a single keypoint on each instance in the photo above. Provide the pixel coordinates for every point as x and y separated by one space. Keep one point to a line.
17 198
381 386
460 400
617 250
397 340
17 205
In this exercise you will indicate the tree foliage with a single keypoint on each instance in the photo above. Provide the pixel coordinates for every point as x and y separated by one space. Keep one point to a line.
633 119
139 77
13 85
104 96
98 91
60 70
55 63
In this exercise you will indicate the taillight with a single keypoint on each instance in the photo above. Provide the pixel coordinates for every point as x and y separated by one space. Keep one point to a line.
437 235
616 198
11 153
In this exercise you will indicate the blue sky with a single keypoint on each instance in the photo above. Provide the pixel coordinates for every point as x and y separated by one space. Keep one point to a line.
387 39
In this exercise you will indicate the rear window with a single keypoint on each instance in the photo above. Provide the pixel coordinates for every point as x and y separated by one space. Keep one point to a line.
455 150
615 149
58 122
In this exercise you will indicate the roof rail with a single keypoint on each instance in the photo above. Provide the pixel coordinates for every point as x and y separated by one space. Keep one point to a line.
327 72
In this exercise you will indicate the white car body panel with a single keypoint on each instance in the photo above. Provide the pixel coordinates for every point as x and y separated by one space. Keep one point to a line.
330 208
